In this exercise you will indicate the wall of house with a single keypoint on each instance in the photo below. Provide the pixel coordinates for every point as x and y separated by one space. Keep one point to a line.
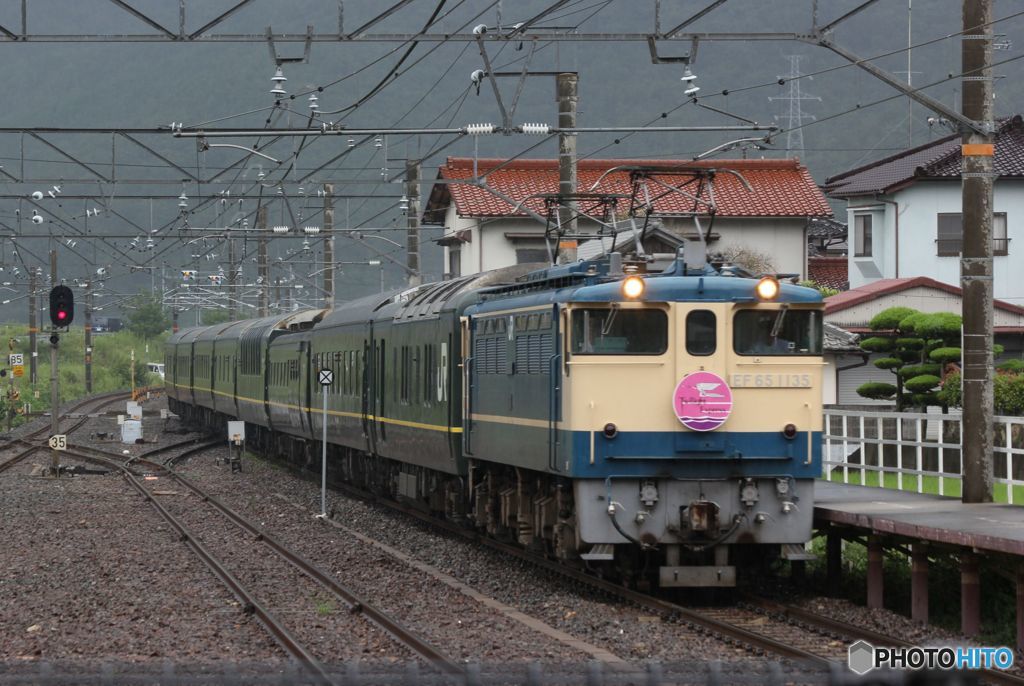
919 207
783 238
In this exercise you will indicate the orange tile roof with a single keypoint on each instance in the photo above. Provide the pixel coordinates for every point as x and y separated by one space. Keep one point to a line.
780 187
829 271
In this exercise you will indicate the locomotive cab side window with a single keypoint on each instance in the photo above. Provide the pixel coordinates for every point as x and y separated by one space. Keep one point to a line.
618 331
701 336
777 332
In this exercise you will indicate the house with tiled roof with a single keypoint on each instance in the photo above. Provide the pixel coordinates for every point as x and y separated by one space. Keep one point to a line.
763 205
904 213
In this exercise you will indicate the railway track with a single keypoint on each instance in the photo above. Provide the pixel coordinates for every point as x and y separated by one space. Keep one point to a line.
757 625
255 535
27 442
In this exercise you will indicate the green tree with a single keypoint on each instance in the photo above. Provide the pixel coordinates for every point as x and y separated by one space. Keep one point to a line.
825 291
146 318
917 347
216 316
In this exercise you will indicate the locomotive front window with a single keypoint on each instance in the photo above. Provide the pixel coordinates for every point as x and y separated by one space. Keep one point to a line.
618 331
777 332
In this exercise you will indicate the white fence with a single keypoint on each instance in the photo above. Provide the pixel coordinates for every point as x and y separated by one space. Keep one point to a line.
915 450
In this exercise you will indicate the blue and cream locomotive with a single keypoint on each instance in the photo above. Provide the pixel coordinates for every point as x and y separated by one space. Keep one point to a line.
645 421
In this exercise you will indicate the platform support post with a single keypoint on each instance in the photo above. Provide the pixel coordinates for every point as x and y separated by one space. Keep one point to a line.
1020 607
970 595
919 582
834 561
875 577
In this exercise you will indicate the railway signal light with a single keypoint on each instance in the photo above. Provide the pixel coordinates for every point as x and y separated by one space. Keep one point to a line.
62 306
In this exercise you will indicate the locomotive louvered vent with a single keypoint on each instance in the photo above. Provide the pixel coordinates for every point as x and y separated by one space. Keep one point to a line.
491 355
532 353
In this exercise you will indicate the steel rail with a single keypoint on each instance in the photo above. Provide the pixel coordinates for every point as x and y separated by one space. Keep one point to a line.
249 604
104 399
836 626
355 603
662 607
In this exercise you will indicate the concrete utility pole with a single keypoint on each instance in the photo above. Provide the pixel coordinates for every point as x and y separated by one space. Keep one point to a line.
261 261
33 328
978 151
232 280
412 221
54 379
88 337
328 245
566 87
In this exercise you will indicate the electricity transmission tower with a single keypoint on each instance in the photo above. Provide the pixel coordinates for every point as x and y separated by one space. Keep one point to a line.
796 117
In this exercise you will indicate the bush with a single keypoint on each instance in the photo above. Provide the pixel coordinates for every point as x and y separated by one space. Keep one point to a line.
910 343
944 325
889 363
944 355
877 390
949 395
876 344
890 318
911 371
1011 366
1009 394
922 383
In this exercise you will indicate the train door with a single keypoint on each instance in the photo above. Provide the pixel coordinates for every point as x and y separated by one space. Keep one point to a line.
304 396
468 385
378 396
367 393
554 392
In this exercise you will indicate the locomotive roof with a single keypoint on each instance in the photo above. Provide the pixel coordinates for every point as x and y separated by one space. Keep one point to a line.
422 302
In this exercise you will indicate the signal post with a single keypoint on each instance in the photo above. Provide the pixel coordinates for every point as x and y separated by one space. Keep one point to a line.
62 313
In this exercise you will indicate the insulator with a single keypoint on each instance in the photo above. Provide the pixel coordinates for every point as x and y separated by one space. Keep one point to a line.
479 129
536 129
311 230
280 229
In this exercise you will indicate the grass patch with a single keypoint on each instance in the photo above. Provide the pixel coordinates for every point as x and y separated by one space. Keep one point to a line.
111 366
929 484
324 606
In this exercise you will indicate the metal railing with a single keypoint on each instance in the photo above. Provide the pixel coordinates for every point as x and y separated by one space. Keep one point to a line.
914 450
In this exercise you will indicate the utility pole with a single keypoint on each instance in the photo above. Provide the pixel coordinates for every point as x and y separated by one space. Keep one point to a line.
412 221
261 260
566 87
54 383
33 328
977 153
174 319
88 337
232 281
328 245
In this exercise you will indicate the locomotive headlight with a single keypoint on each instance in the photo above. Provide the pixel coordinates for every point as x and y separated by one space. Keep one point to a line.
633 287
789 431
767 288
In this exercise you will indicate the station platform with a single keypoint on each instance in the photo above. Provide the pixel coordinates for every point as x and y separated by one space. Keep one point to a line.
986 527
930 526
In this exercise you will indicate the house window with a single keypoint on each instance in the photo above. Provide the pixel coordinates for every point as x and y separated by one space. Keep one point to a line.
527 255
949 241
454 263
862 235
